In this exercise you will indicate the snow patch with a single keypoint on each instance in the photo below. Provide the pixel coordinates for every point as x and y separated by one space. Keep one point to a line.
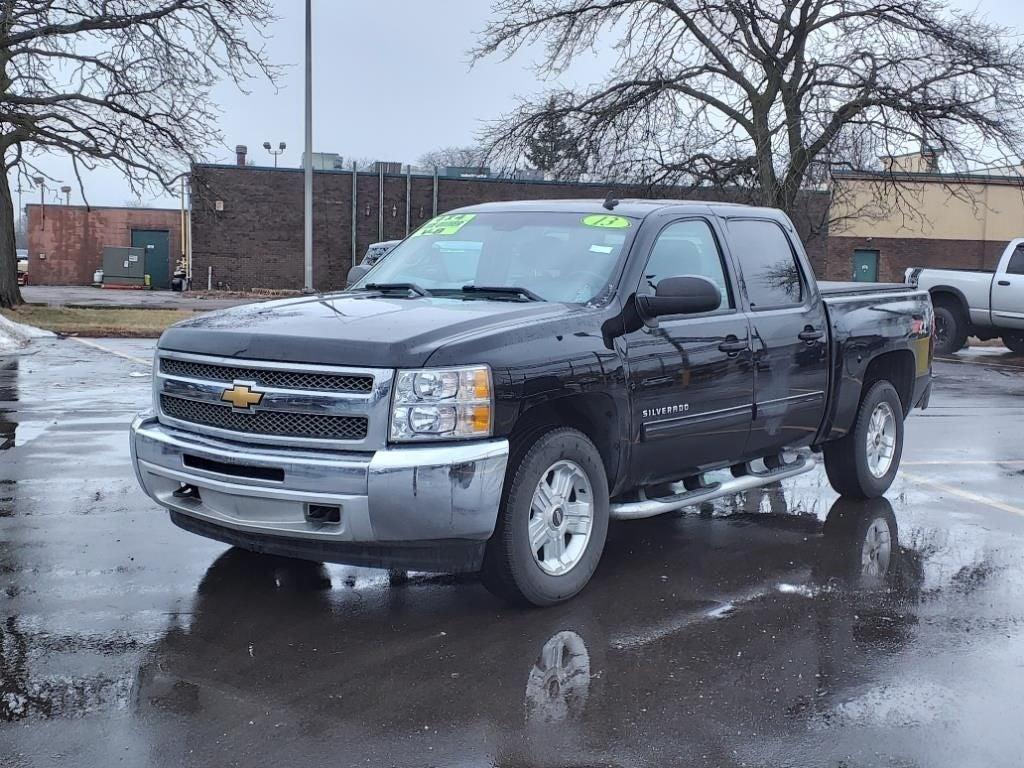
14 336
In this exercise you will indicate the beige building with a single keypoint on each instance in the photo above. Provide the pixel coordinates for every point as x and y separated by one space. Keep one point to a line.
909 214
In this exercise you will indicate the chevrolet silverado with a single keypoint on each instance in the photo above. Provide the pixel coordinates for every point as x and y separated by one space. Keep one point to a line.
513 376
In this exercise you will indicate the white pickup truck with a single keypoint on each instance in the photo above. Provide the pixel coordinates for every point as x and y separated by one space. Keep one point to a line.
977 302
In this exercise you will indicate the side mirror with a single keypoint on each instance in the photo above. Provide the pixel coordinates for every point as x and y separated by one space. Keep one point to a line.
356 273
688 295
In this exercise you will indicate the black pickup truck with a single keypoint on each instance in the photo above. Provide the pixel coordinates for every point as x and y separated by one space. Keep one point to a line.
514 375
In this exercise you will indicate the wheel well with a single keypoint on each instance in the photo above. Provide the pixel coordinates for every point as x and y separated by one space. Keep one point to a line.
898 369
595 415
945 297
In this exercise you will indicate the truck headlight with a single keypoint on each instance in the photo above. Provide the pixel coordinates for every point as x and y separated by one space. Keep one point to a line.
442 404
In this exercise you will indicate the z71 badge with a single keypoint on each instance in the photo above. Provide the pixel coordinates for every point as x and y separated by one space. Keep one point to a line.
666 410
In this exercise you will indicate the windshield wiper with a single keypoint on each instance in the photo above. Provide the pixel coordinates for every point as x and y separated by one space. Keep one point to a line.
409 287
504 290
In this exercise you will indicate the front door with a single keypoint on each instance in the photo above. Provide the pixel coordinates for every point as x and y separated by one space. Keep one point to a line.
865 266
156 242
691 375
790 338
1008 293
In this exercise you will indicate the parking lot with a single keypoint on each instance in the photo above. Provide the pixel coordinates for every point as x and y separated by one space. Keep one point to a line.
754 632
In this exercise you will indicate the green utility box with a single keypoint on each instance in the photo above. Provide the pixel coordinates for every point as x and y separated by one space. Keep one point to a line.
124 266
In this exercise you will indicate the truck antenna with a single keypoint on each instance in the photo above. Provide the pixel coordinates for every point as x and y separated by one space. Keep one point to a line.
610 202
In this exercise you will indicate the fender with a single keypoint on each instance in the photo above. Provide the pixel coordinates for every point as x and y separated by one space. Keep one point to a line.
957 293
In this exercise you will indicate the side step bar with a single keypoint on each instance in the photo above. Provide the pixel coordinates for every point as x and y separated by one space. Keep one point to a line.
635 510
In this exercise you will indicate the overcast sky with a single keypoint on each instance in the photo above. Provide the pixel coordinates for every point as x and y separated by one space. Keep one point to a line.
391 81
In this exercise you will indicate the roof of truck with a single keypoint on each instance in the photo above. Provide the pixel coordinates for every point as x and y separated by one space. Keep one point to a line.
631 207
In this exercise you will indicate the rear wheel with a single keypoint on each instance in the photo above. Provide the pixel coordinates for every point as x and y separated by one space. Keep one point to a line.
1015 342
864 463
950 330
553 522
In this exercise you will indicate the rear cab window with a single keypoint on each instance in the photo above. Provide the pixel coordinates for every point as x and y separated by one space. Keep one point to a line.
768 264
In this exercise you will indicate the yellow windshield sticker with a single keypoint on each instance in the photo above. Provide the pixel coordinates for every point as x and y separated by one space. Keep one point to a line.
606 222
448 224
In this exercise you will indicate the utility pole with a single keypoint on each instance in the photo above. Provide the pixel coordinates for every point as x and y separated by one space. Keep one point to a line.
67 194
308 254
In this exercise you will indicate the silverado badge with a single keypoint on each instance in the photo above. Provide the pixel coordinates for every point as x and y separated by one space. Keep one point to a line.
242 397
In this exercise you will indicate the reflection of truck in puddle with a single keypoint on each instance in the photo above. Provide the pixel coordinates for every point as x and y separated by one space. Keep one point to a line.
685 638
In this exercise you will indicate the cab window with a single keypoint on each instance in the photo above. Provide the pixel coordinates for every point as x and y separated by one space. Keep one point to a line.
770 270
686 248
1016 264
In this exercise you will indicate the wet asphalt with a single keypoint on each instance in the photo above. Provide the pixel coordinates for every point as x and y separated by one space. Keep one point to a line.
778 628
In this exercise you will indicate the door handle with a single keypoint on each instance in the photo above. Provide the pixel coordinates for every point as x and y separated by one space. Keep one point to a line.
1004 282
810 334
732 345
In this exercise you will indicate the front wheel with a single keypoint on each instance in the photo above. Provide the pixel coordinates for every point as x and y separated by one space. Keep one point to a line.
1015 342
863 464
553 522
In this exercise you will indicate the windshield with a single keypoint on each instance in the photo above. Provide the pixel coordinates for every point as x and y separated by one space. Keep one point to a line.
563 257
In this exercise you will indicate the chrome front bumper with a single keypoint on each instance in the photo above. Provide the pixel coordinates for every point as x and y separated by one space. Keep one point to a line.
415 496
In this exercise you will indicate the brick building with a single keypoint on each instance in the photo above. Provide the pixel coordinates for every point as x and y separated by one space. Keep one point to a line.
65 242
247 222
909 214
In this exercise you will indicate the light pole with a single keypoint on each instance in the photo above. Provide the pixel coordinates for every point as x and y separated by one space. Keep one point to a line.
67 194
308 250
41 181
21 208
275 152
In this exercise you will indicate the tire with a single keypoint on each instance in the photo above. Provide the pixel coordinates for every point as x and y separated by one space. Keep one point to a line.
511 569
1015 342
950 330
848 460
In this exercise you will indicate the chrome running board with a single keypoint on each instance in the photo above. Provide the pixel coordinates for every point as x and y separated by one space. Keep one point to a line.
635 510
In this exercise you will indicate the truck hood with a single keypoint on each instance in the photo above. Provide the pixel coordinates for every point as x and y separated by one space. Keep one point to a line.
346 329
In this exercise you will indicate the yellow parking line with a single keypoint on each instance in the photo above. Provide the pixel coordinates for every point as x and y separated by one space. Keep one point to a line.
968 495
94 345
959 462
979 361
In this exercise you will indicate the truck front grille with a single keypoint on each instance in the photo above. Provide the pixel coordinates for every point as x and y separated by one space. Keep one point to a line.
276 423
267 377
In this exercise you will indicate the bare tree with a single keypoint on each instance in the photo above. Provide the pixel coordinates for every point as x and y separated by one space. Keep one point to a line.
121 83
764 96
452 157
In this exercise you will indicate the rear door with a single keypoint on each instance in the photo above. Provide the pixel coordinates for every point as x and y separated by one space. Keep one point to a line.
1008 292
865 265
789 335
690 375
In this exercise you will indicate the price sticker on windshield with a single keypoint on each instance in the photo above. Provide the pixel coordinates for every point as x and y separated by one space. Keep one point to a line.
449 224
603 221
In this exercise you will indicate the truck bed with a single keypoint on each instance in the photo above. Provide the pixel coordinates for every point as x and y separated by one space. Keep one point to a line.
833 288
